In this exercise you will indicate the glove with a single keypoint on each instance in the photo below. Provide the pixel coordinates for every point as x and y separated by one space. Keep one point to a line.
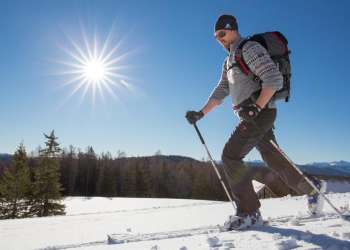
193 116
249 113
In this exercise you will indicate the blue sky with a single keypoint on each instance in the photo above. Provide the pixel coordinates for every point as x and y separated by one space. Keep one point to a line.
174 65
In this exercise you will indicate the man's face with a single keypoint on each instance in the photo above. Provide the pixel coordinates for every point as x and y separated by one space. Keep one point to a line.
225 37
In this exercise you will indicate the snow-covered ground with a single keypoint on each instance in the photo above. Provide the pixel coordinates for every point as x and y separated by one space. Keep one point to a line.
182 224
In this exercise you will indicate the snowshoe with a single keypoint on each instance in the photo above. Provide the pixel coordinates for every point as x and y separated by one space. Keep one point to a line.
315 201
243 221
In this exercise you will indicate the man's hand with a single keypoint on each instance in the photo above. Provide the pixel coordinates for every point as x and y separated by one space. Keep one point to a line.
193 116
249 113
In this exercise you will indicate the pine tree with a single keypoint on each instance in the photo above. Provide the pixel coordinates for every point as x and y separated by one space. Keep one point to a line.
107 177
69 166
47 187
184 182
143 179
92 172
200 185
73 170
128 173
52 146
15 187
165 181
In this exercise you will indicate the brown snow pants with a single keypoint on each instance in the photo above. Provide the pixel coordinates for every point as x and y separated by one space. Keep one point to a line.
280 176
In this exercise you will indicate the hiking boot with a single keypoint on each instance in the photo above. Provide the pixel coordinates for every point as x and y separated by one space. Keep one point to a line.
315 201
243 221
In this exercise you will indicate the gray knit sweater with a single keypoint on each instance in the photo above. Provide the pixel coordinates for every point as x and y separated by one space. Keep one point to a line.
235 83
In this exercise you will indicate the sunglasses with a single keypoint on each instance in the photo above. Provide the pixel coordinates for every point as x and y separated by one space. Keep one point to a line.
220 34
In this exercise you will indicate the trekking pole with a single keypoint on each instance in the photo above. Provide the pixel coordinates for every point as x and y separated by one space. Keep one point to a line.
342 216
214 165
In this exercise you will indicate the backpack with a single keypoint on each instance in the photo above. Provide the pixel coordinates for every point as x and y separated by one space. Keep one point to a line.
276 45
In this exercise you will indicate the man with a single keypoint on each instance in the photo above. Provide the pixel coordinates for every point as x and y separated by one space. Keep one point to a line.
254 104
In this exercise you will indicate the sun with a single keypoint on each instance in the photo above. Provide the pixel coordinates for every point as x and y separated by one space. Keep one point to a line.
95 71
93 66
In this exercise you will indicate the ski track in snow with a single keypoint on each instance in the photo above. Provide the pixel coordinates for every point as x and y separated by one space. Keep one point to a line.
72 246
166 224
151 209
285 238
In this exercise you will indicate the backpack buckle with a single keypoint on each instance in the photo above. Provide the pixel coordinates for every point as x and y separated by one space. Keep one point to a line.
255 78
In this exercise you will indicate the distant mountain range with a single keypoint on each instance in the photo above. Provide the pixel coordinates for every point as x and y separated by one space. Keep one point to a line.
5 157
336 168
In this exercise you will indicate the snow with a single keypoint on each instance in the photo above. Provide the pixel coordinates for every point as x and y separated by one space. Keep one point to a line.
257 185
183 224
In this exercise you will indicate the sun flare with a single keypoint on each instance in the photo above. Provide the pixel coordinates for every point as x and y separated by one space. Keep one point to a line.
92 68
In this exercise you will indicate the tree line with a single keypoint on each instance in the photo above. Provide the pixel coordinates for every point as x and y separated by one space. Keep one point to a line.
34 186
88 174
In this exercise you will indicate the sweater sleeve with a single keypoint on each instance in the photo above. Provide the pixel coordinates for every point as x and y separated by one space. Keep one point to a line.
222 89
260 63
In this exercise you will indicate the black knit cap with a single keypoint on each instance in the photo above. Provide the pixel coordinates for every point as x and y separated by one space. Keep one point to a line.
227 22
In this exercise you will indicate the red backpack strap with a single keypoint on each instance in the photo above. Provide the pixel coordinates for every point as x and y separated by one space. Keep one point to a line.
239 59
242 64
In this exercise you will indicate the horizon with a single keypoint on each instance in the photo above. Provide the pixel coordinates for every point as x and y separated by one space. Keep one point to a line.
163 60
158 154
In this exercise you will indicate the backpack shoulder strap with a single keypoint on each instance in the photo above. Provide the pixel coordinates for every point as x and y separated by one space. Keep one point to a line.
239 58
241 62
